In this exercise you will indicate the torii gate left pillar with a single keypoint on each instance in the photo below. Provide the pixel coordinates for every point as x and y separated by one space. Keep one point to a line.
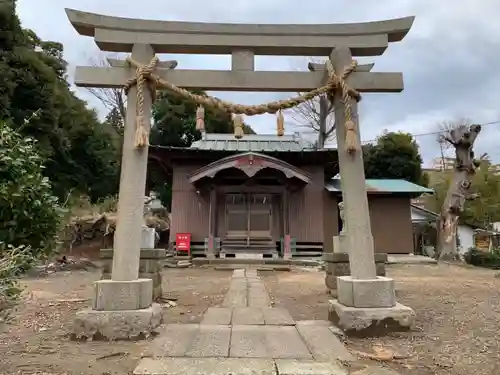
123 308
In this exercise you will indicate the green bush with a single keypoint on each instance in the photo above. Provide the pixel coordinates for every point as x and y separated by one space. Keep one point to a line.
29 213
483 258
13 264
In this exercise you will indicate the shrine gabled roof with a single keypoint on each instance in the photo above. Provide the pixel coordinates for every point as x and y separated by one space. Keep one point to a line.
251 143
384 186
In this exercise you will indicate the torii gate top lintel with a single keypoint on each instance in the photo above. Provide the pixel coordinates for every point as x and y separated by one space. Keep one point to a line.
117 34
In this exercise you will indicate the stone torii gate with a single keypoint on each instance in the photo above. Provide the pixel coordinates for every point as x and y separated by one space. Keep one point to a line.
123 306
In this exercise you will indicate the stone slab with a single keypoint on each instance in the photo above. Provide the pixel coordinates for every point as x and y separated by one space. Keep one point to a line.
370 321
240 272
323 344
308 367
210 341
325 323
267 342
192 340
372 293
205 366
117 325
173 340
251 273
258 296
247 316
277 316
376 370
235 298
217 316
410 259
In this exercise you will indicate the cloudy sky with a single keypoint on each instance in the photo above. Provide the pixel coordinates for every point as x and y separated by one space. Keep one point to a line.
450 58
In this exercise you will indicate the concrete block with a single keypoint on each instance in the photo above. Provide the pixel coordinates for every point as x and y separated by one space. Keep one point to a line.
217 315
205 366
374 293
117 325
210 341
150 267
267 342
308 367
323 344
362 322
112 295
277 316
247 316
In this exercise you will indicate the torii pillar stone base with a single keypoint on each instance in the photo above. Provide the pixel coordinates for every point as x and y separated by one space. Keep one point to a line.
366 303
123 308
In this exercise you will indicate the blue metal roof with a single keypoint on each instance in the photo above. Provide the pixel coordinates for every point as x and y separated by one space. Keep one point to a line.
250 143
384 186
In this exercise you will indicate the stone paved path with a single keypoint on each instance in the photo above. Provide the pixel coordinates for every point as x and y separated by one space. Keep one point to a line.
246 336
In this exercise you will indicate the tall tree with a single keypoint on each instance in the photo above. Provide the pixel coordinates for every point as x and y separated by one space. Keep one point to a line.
394 155
69 137
459 191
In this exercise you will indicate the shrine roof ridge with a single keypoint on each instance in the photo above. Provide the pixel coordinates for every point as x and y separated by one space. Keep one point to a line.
119 34
250 143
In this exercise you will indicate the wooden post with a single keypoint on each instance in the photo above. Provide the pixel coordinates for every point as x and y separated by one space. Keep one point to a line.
128 233
352 173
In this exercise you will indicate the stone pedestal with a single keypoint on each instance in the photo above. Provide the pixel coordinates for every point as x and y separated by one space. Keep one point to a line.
150 267
337 264
368 307
120 310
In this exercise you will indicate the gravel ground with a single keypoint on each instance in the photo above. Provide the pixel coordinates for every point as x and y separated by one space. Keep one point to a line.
37 340
458 317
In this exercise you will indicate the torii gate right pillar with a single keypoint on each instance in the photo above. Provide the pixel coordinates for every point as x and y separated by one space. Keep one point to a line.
365 303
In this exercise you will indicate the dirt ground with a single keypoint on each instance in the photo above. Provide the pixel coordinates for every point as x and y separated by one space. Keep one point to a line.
38 341
458 317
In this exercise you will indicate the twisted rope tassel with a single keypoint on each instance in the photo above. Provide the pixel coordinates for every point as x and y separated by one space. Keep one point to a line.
351 140
238 126
280 124
200 118
142 79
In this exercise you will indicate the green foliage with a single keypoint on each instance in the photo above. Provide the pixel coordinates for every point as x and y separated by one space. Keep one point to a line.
174 120
13 263
79 155
483 258
482 211
29 213
395 155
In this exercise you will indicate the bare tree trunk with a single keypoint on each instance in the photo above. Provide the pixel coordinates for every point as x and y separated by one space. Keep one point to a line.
317 115
110 98
462 139
323 115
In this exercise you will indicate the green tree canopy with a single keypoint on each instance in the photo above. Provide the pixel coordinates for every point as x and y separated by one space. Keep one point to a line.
174 119
78 153
394 155
482 211
29 213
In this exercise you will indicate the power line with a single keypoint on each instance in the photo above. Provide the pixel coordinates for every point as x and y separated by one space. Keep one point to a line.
437 132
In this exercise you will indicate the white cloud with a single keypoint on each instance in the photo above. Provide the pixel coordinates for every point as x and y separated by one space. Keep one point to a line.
449 58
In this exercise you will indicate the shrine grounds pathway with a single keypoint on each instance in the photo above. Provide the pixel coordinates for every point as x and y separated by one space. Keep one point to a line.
247 336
